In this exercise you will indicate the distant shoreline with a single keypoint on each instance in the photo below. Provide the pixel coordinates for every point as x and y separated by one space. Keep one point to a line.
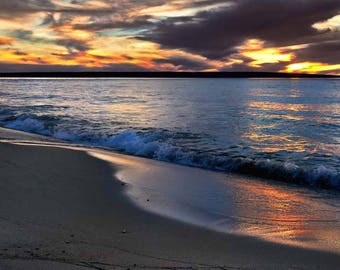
163 75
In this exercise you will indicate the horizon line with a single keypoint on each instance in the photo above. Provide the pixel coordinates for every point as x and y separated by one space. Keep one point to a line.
167 74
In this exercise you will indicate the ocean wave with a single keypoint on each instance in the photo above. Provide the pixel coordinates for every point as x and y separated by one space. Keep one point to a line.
29 125
161 145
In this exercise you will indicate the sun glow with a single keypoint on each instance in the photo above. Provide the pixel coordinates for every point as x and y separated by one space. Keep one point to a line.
255 50
332 24
312 67
98 33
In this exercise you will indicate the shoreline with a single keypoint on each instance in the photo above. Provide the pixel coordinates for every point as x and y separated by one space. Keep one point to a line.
311 223
52 212
169 74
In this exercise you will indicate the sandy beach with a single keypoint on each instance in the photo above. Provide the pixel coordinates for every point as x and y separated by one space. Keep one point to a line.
64 209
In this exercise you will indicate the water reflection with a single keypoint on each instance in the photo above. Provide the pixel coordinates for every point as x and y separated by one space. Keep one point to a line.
249 126
265 138
276 106
288 215
291 121
273 92
231 203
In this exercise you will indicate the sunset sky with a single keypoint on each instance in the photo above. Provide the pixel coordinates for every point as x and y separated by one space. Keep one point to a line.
170 35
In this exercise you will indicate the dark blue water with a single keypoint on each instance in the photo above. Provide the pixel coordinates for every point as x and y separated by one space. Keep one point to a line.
284 129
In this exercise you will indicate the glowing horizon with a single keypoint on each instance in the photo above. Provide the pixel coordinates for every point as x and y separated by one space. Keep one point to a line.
177 35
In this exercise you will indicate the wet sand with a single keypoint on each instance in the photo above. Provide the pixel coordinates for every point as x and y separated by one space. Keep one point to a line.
63 209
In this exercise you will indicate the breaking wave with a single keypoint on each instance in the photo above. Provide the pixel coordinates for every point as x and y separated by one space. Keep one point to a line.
163 145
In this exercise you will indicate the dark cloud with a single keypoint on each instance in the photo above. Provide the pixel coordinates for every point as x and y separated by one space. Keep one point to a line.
215 33
73 44
123 68
114 8
48 20
25 5
99 25
17 52
183 63
205 3
28 35
326 52
22 34
7 67
11 8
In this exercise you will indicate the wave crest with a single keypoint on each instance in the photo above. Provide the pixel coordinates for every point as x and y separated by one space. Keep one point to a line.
160 145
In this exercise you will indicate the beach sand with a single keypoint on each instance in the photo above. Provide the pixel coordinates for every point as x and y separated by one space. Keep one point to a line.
63 209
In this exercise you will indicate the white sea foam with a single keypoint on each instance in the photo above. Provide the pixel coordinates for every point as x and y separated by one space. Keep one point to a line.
155 145
28 124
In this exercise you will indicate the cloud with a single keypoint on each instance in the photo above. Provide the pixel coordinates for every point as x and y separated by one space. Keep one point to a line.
6 41
312 67
28 36
73 44
8 67
332 24
183 63
109 23
171 34
325 52
22 34
25 5
10 8
215 33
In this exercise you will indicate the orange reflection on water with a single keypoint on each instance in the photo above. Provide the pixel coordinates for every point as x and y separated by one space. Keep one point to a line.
274 212
287 215
277 106
293 107
269 116
274 142
263 92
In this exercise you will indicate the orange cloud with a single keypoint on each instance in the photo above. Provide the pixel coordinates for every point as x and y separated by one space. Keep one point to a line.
55 38
312 67
12 56
255 50
6 41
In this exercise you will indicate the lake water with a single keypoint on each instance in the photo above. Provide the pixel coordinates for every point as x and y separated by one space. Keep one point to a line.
282 129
